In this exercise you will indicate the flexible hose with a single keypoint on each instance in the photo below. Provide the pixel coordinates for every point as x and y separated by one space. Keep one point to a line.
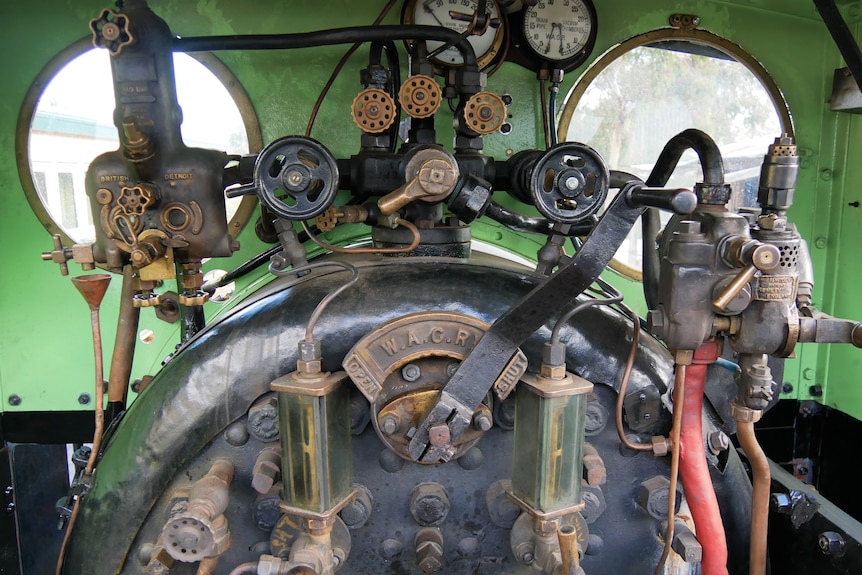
678 393
698 487
326 38
544 105
762 479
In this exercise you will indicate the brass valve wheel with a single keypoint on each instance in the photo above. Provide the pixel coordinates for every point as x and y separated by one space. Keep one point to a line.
373 110
111 30
485 112
420 96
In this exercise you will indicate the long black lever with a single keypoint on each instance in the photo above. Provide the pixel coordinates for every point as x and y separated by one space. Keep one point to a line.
469 385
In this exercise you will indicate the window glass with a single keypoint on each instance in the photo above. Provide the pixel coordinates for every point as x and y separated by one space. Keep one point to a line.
73 123
642 98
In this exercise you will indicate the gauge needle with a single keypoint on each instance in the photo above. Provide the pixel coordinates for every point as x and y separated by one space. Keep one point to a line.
561 38
433 15
462 17
551 37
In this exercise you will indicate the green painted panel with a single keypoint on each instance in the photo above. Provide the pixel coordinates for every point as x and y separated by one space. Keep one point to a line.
44 346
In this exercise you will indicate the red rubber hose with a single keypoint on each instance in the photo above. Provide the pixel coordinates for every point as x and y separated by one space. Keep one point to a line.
695 476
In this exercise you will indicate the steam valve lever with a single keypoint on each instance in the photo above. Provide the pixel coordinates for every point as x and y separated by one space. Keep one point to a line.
470 383
756 256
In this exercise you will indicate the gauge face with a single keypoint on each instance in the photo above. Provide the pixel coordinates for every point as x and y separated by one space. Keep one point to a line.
558 29
457 15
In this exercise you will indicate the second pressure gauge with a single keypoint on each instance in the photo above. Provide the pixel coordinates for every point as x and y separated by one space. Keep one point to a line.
559 33
457 15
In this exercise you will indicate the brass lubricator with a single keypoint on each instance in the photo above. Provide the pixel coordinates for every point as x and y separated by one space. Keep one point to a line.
373 110
550 412
485 112
401 366
420 96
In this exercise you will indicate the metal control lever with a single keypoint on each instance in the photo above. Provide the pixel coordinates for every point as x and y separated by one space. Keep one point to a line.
822 328
432 440
755 256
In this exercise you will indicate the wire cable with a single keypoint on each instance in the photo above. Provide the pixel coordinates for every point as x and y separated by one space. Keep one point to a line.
544 105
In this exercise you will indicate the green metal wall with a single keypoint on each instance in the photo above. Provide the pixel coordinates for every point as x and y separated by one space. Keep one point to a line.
45 350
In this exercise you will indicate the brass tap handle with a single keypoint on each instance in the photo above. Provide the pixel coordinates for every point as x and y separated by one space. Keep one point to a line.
59 255
760 256
431 177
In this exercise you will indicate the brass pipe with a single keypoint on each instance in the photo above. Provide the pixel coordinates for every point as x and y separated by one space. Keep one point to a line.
207 566
568 538
92 288
624 383
678 394
124 344
761 480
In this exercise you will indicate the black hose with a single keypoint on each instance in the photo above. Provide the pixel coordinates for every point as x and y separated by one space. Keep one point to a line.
650 227
529 224
326 38
710 158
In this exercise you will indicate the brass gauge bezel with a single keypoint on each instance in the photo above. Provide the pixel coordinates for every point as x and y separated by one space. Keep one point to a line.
484 60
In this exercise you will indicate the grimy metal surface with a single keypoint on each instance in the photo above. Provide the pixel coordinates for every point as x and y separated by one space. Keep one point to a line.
173 431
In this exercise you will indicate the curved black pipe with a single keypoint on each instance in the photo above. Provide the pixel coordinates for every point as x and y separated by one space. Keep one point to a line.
707 150
327 37
521 223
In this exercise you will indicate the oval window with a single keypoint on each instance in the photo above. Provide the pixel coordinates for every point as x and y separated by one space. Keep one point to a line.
67 120
650 88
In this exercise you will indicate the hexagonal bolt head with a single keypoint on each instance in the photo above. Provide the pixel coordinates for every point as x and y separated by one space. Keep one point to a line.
832 544
263 420
482 421
718 441
390 424
411 372
429 504
781 503
358 511
429 549
652 496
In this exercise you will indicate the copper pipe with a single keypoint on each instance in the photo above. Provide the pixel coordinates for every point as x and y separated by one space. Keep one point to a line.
624 384
678 394
124 344
339 250
92 288
762 478
207 566
568 538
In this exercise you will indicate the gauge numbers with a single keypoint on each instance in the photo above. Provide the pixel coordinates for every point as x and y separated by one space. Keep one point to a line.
457 15
558 30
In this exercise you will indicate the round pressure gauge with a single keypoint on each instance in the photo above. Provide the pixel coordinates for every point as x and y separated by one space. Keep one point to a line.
457 15
561 31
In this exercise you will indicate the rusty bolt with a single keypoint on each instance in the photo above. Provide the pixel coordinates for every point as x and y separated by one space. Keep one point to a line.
429 504
267 468
652 496
832 544
429 549
438 435
718 441
686 545
263 420
358 512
